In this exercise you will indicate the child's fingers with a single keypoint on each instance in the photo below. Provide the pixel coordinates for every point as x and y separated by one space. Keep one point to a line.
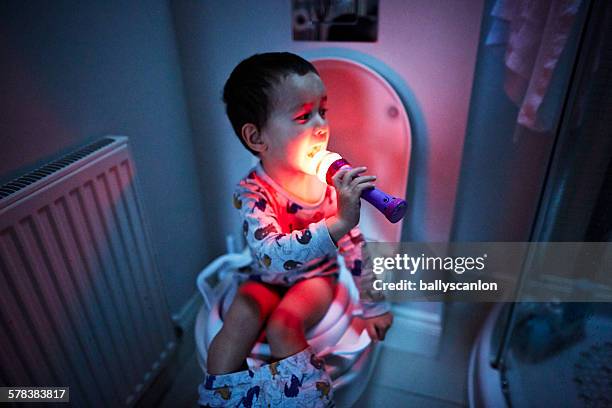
381 332
344 177
351 174
363 186
339 177
355 171
372 332
362 179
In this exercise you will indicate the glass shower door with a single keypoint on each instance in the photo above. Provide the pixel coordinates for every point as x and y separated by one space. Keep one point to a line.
560 354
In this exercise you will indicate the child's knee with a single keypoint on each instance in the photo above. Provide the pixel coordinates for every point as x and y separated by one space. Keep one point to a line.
284 323
243 313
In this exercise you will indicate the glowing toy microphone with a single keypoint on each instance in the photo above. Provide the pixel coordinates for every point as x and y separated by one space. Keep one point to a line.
326 164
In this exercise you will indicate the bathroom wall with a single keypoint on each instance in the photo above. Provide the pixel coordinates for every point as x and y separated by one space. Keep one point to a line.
429 48
75 71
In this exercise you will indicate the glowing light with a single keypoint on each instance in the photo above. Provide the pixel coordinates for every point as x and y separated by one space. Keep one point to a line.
320 162
325 161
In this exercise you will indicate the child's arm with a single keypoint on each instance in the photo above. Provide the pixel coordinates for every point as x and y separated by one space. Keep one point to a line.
376 310
351 245
353 249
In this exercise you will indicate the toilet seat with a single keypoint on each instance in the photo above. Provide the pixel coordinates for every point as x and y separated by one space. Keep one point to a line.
328 331
336 311
325 337
338 338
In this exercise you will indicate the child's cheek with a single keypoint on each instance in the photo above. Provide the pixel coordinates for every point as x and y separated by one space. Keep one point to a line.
294 144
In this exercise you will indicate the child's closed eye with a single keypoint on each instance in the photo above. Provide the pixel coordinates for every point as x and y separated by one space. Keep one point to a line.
303 117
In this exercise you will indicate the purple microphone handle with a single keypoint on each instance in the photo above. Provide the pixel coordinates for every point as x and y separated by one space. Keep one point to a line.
393 208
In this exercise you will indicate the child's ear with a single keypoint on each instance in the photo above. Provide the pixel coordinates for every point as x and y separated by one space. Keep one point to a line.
252 137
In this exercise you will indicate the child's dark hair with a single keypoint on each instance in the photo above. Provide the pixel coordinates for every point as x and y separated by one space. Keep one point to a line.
247 92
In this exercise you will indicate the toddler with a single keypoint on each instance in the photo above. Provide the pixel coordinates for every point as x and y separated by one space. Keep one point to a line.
295 226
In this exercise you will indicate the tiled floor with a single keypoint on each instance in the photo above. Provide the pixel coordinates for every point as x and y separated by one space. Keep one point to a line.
403 379
400 379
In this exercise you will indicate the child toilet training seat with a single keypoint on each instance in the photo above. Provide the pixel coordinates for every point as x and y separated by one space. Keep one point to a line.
339 339
333 324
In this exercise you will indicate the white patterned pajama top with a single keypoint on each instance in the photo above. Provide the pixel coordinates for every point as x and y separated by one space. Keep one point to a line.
289 240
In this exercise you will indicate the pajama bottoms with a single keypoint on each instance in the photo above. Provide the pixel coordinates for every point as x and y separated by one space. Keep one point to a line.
299 380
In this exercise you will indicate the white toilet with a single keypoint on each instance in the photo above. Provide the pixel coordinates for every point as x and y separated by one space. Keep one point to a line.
384 137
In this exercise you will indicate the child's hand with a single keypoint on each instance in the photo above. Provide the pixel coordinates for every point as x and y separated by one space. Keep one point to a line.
348 188
377 326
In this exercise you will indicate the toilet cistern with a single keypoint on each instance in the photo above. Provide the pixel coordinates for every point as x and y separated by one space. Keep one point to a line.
325 164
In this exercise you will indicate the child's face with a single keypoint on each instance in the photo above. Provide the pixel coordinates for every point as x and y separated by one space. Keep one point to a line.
296 127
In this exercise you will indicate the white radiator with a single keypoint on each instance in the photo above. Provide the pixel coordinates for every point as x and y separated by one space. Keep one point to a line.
81 300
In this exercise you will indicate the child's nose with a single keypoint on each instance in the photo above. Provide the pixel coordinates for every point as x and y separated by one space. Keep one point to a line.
321 134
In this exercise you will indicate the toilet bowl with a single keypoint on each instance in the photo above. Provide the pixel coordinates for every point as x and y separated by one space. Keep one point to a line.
383 132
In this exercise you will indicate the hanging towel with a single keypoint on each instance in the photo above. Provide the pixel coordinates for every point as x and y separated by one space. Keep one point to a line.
535 33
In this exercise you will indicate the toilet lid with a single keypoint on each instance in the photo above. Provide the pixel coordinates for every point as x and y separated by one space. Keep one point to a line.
369 127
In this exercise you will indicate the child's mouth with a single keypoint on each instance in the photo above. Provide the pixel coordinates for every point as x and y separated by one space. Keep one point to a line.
316 149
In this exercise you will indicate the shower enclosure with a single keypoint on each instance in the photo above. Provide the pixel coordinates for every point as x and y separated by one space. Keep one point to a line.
555 353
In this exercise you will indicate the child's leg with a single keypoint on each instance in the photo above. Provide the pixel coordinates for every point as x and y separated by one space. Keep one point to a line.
304 304
253 303
298 378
